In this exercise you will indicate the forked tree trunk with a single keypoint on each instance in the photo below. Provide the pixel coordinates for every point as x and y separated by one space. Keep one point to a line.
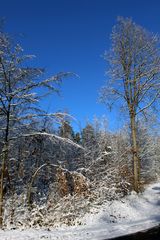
136 160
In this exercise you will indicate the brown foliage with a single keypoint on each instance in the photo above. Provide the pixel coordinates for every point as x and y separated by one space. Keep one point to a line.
71 183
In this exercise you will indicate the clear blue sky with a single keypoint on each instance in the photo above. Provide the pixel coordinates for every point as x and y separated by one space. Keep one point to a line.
68 35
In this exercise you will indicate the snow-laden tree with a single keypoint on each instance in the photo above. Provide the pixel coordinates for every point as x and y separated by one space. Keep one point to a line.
66 130
21 88
134 69
106 160
89 142
148 151
32 151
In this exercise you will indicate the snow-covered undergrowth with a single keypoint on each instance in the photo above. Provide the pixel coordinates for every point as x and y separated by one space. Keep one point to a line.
130 214
56 210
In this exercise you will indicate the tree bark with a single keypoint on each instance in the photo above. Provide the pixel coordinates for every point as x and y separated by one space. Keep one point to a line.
4 158
136 160
3 167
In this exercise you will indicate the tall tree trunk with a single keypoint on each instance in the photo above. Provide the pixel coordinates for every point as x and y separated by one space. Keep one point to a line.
3 167
136 160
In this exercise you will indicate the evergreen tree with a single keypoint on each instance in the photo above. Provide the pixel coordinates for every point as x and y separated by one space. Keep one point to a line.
66 130
88 136
77 138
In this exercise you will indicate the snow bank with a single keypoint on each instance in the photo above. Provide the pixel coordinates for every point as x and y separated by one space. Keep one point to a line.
131 214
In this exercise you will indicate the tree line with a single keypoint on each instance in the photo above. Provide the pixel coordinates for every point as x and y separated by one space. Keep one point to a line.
42 162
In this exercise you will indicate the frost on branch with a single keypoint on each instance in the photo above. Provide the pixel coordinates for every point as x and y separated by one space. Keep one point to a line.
72 180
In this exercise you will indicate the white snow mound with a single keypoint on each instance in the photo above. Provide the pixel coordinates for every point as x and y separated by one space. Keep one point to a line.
131 214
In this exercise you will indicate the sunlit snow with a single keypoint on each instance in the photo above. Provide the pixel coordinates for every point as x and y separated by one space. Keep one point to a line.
133 213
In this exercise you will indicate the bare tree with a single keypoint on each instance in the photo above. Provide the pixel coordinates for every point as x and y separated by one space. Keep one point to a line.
134 67
18 99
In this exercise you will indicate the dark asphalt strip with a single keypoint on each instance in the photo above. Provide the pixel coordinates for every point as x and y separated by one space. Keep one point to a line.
149 234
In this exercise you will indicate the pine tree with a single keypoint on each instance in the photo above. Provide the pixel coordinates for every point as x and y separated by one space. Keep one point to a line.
66 130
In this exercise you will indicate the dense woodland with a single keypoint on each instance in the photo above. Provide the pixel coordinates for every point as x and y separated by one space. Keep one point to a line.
50 173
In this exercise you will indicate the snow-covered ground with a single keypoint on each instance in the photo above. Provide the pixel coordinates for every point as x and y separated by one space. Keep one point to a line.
131 214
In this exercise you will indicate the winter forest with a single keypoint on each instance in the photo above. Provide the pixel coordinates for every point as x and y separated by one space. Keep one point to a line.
53 175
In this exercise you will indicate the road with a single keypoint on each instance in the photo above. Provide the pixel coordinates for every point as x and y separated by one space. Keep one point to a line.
150 234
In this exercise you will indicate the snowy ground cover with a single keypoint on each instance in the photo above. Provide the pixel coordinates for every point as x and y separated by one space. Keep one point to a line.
133 213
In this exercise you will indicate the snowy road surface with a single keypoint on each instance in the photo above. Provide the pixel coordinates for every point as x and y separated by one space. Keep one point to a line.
134 213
